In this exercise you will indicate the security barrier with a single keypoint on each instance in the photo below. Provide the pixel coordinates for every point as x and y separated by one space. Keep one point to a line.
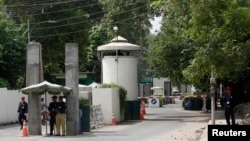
192 103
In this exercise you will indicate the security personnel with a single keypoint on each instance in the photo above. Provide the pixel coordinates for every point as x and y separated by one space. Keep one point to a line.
60 117
228 106
52 112
22 111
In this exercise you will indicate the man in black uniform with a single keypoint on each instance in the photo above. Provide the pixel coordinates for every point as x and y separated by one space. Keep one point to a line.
229 106
52 112
22 111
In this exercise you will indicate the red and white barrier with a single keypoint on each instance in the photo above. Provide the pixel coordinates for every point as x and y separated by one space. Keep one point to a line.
175 97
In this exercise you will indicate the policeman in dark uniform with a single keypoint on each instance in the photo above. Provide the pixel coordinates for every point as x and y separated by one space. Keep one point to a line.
22 111
52 112
228 106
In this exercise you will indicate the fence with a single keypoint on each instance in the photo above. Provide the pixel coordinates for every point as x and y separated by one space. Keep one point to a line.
9 100
242 111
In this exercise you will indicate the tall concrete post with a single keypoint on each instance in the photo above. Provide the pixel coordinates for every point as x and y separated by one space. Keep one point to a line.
72 81
212 93
34 76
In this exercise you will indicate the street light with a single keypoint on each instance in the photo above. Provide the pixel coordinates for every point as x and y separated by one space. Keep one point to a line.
29 30
115 28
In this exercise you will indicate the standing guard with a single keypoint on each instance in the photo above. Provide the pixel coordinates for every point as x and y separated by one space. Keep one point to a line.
60 117
22 111
52 112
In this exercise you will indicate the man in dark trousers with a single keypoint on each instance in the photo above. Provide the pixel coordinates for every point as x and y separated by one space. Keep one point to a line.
22 111
229 106
52 112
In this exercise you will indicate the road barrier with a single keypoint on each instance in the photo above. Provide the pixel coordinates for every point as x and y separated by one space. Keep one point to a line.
113 119
170 96
25 129
171 99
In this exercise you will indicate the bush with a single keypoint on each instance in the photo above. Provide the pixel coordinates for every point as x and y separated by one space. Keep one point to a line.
83 101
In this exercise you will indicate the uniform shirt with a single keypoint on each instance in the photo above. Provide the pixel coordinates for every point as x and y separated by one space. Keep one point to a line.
227 100
23 107
52 108
61 107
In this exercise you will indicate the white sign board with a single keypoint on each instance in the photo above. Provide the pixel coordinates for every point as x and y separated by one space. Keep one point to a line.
153 102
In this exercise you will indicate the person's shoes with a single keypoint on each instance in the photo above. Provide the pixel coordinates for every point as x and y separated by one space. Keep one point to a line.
51 134
57 135
21 127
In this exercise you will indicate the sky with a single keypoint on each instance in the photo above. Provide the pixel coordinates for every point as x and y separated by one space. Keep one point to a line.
156 25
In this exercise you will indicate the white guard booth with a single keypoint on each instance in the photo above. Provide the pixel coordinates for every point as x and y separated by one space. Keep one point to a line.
119 65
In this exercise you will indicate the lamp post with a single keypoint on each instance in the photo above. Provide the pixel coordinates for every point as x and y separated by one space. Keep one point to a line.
29 30
115 28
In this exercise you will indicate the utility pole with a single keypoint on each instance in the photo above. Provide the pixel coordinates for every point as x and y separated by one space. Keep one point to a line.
212 94
28 30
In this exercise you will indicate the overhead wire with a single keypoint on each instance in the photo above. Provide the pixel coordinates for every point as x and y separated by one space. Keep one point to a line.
99 12
41 7
72 9
40 4
78 31
74 23
84 21
62 10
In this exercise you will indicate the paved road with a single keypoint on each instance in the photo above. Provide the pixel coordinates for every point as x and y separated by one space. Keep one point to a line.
169 122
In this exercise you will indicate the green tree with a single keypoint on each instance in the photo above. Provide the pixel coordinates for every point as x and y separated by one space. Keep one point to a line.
219 34
171 50
131 17
12 54
220 28
98 36
71 21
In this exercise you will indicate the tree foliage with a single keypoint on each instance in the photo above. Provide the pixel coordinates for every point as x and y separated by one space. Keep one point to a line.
98 36
89 23
12 54
131 17
171 50
219 31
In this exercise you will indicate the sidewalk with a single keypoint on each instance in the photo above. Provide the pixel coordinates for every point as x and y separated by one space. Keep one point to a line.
219 120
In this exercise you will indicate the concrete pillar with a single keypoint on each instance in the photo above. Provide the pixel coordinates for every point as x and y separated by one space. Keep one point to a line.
72 81
34 76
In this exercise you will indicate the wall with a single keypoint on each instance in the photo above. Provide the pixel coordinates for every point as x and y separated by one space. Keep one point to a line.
109 100
9 101
159 82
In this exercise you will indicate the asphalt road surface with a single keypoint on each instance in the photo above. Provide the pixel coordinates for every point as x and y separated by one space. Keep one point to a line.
168 123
